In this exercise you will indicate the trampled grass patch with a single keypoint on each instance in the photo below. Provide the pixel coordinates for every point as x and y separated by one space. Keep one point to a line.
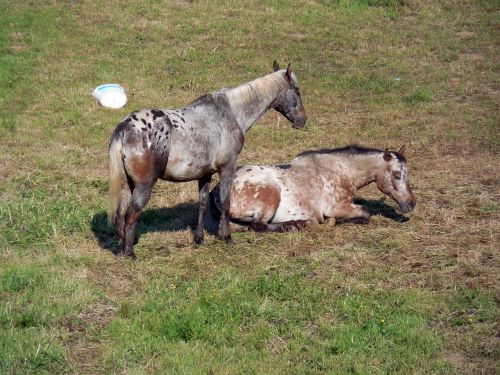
393 296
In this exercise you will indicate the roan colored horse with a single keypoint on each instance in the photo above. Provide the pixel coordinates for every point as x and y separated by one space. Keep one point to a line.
316 186
191 143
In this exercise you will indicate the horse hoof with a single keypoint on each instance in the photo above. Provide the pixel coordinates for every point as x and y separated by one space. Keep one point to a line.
130 256
228 240
198 240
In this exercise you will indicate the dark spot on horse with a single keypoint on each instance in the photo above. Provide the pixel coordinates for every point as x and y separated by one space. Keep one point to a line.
135 117
287 189
144 121
149 125
156 133
284 166
249 169
162 129
133 125
147 114
261 168
190 164
191 128
128 119
144 129
176 126
182 119
157 113
174 121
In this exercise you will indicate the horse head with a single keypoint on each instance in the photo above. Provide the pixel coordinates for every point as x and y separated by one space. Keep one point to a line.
289 103
393 180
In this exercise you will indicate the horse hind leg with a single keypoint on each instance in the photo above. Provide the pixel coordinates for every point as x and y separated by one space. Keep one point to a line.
123 205
140 197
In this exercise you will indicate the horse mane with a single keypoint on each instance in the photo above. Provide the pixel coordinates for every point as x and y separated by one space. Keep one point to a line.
353 149
266 85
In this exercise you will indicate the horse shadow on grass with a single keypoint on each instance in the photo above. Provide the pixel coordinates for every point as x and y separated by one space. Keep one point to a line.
379 207
170 219
185 215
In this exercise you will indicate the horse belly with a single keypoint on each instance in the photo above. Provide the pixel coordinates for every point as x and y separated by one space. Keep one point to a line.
188 159
181 170
295 206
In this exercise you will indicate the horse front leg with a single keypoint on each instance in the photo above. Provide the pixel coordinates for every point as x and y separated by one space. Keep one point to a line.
226 174
352 212
204 189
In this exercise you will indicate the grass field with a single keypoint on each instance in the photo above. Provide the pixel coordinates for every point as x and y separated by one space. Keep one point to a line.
390 297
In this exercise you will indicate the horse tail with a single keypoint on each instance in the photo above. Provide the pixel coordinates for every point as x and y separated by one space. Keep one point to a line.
116 173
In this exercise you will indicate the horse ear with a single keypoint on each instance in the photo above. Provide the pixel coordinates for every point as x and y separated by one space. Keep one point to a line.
387 155
289 71
276 66
402 150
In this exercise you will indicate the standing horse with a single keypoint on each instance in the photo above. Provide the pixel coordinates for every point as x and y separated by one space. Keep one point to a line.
191 143
316 186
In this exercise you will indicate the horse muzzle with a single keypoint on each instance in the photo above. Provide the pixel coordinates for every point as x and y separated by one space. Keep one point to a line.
407 206
299 123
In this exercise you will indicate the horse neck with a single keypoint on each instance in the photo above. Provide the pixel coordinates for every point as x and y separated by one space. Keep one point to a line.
360 169
251 100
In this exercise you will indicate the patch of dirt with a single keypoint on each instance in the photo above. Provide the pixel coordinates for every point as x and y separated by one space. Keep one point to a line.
85 353
457 360
465 34
99 316
18 47
471 56
298 36
276 345
87 356
16 35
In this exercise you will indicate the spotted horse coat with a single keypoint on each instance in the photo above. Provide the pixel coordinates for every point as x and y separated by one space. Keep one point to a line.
191 143
316 186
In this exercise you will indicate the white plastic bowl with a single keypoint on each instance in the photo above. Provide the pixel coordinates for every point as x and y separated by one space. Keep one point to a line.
110 95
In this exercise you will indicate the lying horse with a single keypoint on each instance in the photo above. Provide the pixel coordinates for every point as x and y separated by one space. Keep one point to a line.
191 143
316 186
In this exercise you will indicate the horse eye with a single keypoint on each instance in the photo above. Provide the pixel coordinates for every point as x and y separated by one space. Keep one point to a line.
397 175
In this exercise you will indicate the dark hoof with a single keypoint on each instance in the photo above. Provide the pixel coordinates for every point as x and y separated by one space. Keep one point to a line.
229 240
198 240
226 239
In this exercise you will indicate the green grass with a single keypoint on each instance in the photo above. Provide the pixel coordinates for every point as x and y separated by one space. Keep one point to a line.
384 298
